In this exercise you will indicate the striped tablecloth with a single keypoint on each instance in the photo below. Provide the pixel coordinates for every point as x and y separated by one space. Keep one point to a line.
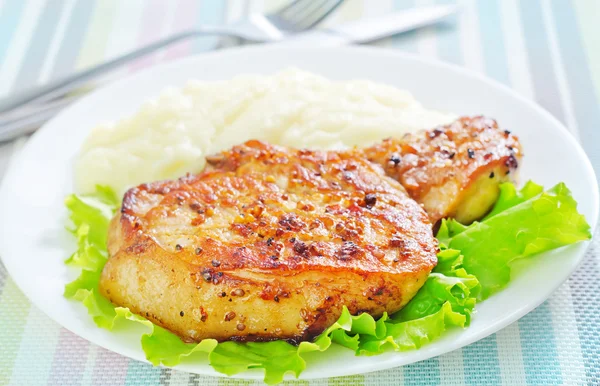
546 50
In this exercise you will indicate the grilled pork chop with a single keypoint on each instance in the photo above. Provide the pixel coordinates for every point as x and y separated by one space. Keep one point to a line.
268 244
454 170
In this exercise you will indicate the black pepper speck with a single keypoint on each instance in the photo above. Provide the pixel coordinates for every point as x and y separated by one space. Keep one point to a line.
370 200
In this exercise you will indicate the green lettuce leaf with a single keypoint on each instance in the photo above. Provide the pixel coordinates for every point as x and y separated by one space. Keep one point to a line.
521 224
88 256
446 300
162 346
448 283
95 211
510 196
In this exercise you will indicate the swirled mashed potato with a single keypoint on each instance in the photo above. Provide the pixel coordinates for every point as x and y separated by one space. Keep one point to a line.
171 135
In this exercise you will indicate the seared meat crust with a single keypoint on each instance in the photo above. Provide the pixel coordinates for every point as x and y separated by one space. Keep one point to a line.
268 244
454 170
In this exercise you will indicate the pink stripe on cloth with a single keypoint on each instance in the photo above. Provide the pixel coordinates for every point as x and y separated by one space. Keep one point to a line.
110 368
70 359
186 15
154 12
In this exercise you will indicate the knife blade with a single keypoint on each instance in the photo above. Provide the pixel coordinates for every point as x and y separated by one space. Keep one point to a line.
374 28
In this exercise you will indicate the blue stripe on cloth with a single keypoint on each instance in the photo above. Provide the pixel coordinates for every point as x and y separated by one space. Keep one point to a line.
210 12
540 358
541 68
492 39
586 102
37 51
10 15
448 41
408 40
68 51
423 373
142 374
585 305
482 366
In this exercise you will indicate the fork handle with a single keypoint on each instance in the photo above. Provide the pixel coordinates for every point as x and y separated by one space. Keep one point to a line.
69 83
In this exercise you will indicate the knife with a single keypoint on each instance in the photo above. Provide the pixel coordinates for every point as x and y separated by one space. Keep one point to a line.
29 118
374 28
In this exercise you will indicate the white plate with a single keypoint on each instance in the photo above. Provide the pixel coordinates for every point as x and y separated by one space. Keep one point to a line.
34 243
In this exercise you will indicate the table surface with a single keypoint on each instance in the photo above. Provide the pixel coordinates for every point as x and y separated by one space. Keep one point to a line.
546 50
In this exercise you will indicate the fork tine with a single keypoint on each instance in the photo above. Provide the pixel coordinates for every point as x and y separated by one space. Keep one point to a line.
320 13
294 7
304 14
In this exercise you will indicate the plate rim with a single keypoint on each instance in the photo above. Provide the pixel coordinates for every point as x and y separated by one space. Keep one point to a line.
389 52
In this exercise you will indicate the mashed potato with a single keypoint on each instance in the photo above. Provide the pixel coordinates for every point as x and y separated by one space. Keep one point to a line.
172 134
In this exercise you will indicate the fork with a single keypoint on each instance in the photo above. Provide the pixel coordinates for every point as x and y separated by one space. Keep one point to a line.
296 17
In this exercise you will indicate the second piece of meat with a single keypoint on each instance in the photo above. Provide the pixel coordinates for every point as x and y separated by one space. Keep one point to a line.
453 170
